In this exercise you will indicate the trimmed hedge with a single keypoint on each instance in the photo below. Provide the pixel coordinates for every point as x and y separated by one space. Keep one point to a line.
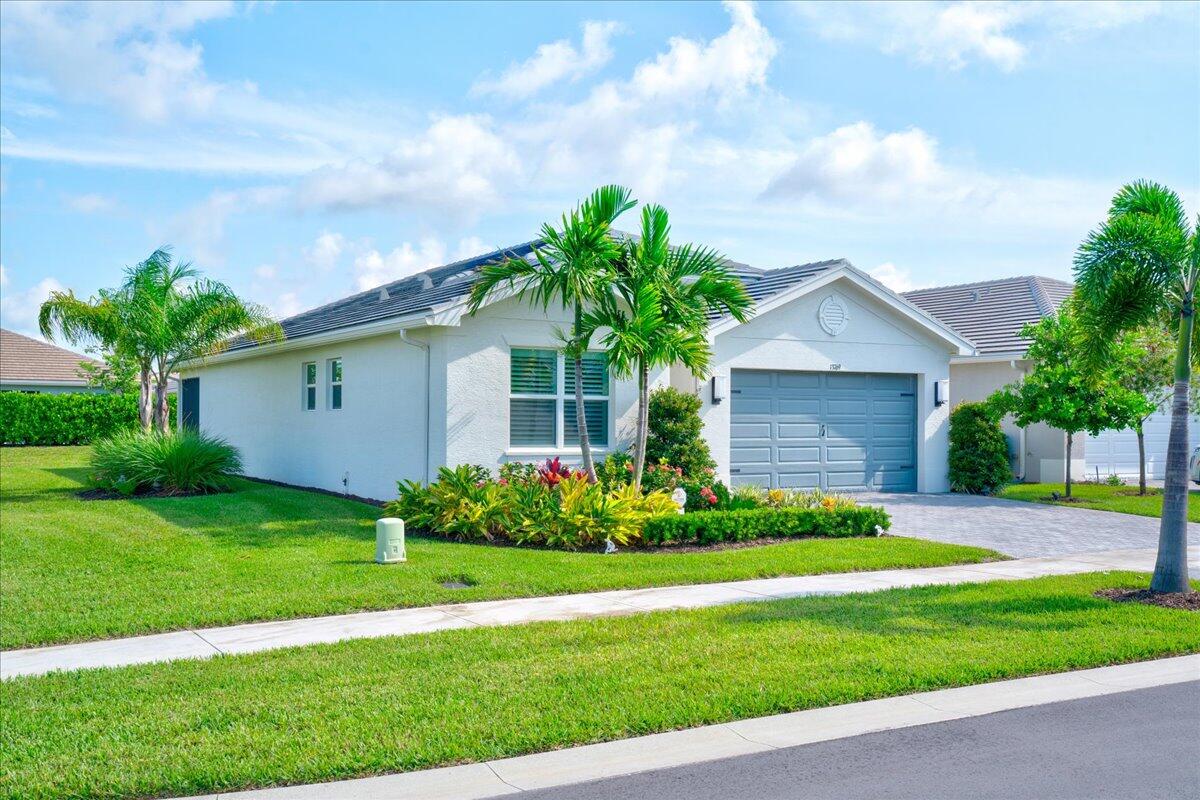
711 527
68 418
978 450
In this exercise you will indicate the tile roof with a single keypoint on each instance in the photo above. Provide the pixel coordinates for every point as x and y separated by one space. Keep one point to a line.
433 288
26 360
991 313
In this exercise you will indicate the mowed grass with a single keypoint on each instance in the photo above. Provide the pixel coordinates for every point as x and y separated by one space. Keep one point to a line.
1123 499
384 705
76 569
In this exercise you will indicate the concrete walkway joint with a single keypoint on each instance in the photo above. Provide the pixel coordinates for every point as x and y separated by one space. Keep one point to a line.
259 636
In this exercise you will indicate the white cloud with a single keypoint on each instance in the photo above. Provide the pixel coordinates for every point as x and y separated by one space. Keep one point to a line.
325 252
556 61
19 309
200 229
953 34
898 279
372 268
286 305
459 164
91 203
725 67
857 162
266 271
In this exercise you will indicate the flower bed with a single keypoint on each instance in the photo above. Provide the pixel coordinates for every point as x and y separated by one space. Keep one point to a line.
552 505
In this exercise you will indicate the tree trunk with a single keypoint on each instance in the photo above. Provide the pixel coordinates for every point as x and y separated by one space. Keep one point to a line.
1141 459
1067 483
162 408
639 448
1170 569
145 414
585 443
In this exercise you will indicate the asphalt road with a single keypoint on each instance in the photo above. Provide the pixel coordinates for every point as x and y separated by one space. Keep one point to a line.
1143 744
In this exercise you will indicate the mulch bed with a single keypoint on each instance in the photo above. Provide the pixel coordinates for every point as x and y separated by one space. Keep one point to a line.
1184 601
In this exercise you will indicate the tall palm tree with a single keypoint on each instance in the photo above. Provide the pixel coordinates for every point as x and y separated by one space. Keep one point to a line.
657 312
571 267
1142 263
182 317
162 315
106 320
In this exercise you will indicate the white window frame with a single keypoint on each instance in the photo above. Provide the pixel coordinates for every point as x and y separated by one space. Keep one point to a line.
560 397
340 383
305 385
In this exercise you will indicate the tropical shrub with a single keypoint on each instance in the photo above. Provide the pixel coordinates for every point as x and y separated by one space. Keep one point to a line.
183 462
978 450
65 419
746 524
616 470
549 505
675 435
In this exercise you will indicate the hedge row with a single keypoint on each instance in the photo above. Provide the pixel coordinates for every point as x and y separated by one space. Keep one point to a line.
69 418
711 527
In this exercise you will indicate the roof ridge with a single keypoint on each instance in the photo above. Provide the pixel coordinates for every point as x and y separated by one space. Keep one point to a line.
994 281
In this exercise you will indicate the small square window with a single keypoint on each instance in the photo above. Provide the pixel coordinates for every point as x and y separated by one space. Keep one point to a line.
308 398
335 383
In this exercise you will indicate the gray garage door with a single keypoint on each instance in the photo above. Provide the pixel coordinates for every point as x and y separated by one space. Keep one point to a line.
839 431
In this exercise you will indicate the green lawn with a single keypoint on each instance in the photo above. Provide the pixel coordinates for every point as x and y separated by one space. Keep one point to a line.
75 569
384 705
1124 499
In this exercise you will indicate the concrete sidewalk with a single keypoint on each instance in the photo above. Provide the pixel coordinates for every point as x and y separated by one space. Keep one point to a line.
692 746
254 637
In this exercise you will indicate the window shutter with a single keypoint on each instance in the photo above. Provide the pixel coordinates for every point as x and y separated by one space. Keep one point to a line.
597 422
595 375
530 422
534 371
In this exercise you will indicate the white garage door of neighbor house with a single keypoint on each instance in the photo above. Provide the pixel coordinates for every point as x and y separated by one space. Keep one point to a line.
1116 452
840 431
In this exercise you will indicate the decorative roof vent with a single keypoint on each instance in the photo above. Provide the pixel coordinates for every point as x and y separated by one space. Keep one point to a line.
383 294
425 281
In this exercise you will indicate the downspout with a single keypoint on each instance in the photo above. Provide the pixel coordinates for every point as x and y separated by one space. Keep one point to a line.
428 388
1020 439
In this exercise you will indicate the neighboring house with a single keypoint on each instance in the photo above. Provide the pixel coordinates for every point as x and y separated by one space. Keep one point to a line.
836 382
30 365
991 314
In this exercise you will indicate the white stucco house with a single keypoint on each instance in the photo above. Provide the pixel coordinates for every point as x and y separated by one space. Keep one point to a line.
835 382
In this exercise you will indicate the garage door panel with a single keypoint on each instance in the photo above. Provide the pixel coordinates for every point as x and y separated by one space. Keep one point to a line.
834 454
840 407
798 430
797 380
838 431
798 455
1116 452
798 480
750 455
751 430
799 407
840 381
901 408
845 430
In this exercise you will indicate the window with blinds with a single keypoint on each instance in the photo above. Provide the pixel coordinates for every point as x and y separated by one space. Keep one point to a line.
542 399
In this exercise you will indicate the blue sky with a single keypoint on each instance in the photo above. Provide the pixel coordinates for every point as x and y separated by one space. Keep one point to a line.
300 152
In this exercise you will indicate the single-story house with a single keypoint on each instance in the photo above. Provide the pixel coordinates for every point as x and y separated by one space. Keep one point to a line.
991 314
836 382
29 365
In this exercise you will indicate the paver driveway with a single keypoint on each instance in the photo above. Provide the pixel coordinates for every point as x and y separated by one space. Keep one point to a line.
1017 528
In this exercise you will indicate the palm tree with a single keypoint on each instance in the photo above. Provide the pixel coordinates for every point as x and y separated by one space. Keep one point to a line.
105 320
571 267
162 315
182 317
1142 263
657 312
